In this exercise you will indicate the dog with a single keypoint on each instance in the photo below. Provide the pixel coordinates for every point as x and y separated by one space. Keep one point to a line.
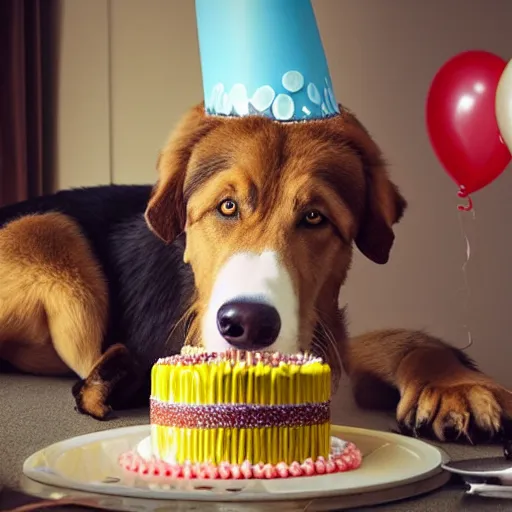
245 242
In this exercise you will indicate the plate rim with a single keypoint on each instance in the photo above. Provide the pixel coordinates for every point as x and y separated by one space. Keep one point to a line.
123 503
58 480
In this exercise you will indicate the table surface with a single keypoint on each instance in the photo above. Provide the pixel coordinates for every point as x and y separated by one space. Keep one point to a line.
38 411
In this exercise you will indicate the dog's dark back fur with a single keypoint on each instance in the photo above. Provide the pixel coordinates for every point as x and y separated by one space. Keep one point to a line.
143 273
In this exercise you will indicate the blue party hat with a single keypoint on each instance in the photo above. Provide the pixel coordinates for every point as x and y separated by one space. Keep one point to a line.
263 57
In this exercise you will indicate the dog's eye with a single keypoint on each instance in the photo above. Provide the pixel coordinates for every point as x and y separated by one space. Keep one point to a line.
313 218
228 208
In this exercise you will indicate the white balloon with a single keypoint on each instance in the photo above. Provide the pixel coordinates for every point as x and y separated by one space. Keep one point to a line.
503 105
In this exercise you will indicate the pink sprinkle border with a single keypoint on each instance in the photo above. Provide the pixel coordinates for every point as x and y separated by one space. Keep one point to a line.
349 459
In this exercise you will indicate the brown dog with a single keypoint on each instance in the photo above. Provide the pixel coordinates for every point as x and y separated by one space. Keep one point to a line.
270 213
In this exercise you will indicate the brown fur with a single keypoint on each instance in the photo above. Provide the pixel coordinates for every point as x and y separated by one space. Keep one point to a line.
439 387
276 172
64 316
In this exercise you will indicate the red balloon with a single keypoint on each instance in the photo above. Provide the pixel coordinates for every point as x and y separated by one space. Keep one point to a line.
461 119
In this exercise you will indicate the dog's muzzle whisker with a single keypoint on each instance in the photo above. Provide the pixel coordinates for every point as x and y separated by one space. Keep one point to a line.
324 345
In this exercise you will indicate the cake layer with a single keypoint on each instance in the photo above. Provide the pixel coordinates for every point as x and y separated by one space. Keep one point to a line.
233 445
240 406
246 378
235 415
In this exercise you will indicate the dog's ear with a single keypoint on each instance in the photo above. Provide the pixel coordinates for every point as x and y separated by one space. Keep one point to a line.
384 205
166 210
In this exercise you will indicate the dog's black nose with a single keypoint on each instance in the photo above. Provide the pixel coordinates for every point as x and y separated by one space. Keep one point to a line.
248 325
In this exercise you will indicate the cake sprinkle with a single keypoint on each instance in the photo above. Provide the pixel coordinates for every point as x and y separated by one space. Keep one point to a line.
208 416
191 356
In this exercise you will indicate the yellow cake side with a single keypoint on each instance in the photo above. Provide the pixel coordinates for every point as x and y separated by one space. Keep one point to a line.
228 382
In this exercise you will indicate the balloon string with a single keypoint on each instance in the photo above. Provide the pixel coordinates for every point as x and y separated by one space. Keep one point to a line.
467 289
464 195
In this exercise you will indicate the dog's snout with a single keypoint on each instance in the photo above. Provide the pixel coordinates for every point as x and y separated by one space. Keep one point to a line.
248 325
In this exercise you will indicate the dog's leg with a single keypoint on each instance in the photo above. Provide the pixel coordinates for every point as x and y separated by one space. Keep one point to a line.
54 303
436 388
113 382
47 269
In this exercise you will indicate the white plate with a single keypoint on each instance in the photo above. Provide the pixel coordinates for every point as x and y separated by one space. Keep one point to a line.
89 464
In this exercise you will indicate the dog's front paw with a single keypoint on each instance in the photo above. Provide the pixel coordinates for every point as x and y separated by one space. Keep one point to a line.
90 399
475 410
112 379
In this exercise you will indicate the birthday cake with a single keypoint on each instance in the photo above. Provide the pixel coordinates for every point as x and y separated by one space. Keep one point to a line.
240 415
